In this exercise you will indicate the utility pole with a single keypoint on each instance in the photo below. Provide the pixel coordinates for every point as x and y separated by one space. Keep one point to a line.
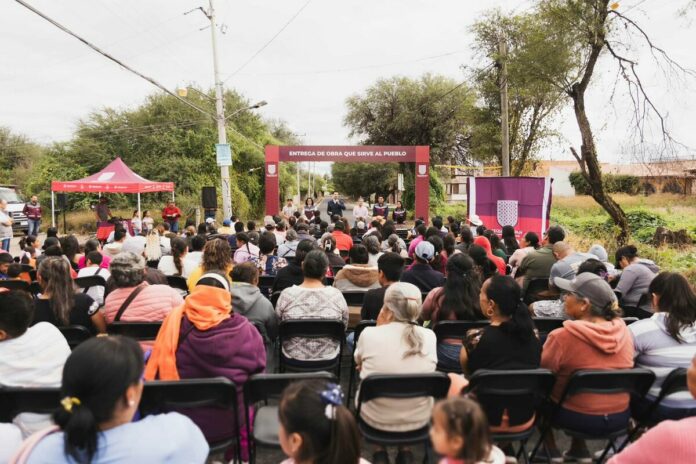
505 128
220 117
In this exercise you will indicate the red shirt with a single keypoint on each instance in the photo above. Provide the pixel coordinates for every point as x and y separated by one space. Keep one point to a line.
171 211
343 241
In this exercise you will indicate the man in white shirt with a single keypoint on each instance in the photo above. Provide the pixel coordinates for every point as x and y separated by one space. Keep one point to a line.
360 212
29 356
288 210
194 256
93 267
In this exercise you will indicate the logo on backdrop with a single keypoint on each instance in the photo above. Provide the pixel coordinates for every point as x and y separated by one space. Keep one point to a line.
507 212
422 169
271 169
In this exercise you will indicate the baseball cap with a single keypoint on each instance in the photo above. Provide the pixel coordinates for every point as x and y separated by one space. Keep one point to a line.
209 220
226 222
425 250
590 286
361 225
474 219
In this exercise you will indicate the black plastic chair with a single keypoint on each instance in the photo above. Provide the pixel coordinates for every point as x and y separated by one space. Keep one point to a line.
402 233
675 382
266 284
16 400
635 381
362 325
455 329
630 320
178 395
14 285
511 387
258 390
354 298
546 325
329 281
274 297
26 268
400 386
75 334
141 331
32 275
178 283
311 328
87 282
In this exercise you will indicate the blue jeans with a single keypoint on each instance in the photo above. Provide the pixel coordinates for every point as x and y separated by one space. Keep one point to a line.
597 424
34 225
6 244
448 355
173 225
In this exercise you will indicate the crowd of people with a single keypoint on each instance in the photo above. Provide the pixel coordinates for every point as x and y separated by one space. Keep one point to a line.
223 323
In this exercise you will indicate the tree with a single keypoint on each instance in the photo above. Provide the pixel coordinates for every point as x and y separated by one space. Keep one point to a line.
18 155
578 33
431 110
167 141
353 179
533 102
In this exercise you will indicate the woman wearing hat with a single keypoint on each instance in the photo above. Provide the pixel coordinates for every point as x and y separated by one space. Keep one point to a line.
596 338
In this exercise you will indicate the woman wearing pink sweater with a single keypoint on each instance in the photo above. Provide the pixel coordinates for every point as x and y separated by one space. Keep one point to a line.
668 441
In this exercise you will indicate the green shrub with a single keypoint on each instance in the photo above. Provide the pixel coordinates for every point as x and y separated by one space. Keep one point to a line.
612 183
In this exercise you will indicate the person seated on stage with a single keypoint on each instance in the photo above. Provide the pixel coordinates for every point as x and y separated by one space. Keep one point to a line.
151 303
310 208
399 214
421 274
358 276
360 212
101 390
380 208
288 210
30 355
312 300
59 304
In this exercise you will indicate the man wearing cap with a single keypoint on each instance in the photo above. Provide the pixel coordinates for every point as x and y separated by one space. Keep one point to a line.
421 274
226 228
343 241
474 221
537 264
596 338
171 215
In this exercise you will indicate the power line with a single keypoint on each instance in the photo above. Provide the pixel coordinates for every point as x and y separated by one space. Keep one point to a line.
258 52
115 60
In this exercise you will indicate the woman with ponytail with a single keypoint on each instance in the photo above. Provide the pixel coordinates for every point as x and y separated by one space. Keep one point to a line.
173 265
398 345
508 343
101 389
457 300
315 427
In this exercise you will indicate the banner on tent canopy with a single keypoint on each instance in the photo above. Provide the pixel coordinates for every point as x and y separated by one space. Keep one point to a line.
521 202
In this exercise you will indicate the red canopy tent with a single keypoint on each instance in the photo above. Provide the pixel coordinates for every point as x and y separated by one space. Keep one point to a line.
117 177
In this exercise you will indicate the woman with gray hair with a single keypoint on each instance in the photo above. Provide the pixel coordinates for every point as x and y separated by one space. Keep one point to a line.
397 345
372 244
287 250
133 299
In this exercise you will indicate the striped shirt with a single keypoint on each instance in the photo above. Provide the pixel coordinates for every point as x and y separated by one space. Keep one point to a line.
658 351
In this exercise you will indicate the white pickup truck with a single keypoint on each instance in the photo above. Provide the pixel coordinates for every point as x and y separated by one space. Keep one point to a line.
15 207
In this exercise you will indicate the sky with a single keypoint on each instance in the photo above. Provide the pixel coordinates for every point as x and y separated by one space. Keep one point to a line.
324 52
